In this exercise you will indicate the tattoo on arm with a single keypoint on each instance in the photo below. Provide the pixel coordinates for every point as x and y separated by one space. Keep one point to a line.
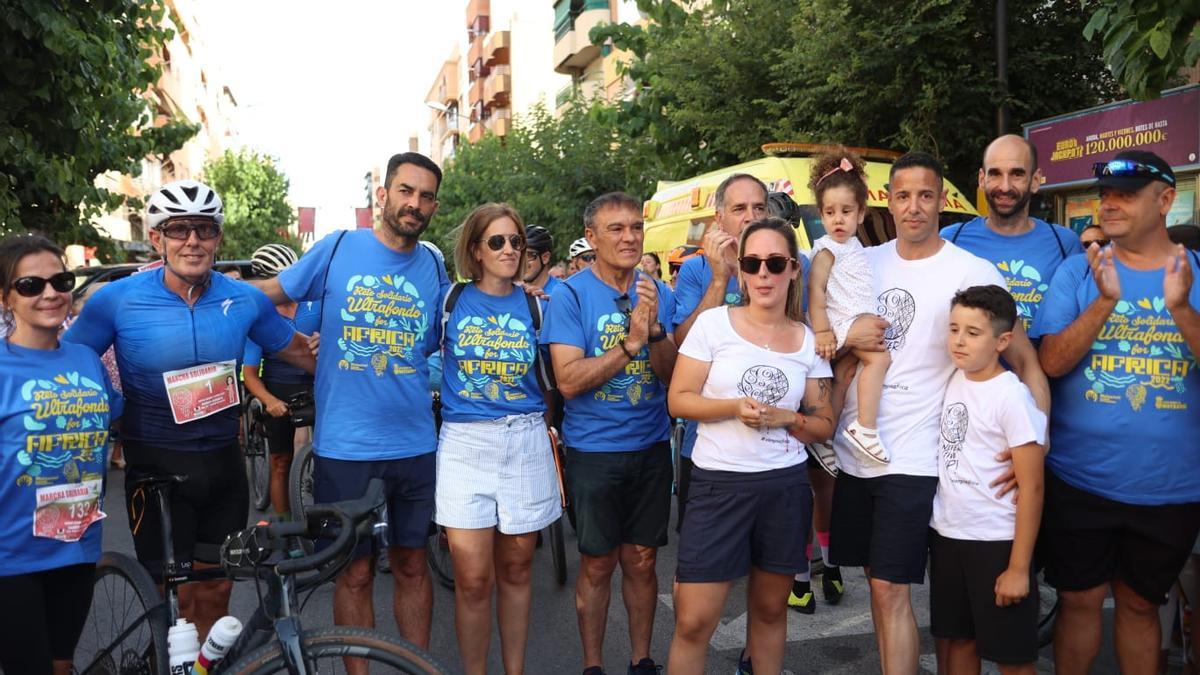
823 388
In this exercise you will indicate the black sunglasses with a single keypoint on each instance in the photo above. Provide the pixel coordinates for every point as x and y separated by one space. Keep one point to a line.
1129 167
496 241
181 231
624 304
776 264
31 287
1100 242
588 257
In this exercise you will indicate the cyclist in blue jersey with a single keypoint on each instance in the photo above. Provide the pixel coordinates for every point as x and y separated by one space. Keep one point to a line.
56 405
273 381
179 331
381 292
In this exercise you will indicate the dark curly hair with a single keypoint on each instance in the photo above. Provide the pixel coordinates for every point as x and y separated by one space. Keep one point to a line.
826 173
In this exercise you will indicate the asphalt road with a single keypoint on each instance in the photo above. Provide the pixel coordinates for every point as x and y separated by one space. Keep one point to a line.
835 640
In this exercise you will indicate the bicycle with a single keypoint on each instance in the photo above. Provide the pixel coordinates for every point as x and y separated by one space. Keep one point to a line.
257 448
131 639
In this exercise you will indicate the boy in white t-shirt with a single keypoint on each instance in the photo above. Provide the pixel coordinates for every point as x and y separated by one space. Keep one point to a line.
983 591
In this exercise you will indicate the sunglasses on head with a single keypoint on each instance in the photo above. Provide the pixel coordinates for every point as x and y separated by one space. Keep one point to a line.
776 264
31 287
496 241
1129 167
183 230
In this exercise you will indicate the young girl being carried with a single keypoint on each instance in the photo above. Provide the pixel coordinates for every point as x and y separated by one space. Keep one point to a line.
841 288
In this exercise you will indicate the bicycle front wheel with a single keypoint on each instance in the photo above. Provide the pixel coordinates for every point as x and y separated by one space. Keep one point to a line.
126 628
258 457
327 649
300 482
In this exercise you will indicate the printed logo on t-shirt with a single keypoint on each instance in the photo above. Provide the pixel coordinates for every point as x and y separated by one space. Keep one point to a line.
732 298
630 383
1025 284
67 427
899 308
494 354
955 419
384 318
765 384
1139 352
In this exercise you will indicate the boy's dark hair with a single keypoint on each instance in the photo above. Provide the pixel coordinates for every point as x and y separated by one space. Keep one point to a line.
410 158
914 159
994 301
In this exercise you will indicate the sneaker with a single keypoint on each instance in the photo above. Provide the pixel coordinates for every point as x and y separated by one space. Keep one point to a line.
832 585
801 598
644 667
593 670
824 455
744 666
867 441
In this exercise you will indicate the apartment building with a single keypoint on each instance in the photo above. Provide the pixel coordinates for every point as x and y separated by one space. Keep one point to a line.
594 69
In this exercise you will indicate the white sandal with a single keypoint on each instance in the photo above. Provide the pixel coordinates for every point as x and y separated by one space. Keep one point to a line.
867 441
824 456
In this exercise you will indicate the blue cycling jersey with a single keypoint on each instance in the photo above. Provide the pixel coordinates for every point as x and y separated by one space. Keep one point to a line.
155 331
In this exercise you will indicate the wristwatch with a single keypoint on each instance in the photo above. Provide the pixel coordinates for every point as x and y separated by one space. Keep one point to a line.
662 333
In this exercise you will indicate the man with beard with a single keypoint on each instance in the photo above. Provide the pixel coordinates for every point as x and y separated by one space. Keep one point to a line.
1025 250
381 294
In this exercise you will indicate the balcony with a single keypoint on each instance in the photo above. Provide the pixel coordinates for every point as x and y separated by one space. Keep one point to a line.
476 133
476 94
475 51
573 50
445 87
497 88
478 12
499 45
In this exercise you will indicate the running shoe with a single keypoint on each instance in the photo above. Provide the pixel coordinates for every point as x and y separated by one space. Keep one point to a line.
645 667
867 441
593 670
744 666
801 598
824 456
832 585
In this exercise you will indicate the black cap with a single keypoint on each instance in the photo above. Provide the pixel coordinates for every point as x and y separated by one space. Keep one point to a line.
1133 183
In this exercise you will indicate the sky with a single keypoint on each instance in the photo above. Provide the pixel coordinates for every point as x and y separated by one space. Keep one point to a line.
331 90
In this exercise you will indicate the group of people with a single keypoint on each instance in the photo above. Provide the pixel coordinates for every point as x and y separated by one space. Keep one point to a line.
907 370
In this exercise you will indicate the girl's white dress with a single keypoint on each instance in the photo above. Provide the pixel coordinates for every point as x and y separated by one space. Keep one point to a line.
850 290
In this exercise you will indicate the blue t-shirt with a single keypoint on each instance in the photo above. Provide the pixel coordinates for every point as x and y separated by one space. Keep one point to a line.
629 412
488 358
1026 261
56 406
382 320
1125 420
155 331
275 369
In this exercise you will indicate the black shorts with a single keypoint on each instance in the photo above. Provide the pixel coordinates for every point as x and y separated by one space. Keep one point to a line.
212 503
620 497
738 520
1089 541
409 490
962 600
883 523
281 433
45 616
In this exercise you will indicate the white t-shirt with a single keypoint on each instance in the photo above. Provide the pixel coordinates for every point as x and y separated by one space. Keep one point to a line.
914 295
740 368
980 419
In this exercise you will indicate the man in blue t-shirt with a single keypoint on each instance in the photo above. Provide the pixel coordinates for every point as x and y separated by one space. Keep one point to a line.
1120 336
1025 250
381 292
609 334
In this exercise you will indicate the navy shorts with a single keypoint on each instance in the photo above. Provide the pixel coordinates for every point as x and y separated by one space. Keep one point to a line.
883 523
737 520
409 490
620 497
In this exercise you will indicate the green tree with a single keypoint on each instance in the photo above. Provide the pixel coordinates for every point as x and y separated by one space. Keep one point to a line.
254 192
1146 42
71 108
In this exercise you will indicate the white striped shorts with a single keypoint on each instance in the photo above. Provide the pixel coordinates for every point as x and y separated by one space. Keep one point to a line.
497 473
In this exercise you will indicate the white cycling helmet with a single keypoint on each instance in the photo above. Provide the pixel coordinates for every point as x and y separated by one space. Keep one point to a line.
184 198
272 259
579 246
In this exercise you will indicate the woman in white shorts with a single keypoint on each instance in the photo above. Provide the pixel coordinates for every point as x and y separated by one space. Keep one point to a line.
496 484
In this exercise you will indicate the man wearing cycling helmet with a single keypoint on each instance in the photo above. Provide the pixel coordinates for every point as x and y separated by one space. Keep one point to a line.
273 381
179 331
382 290
539 252
582 255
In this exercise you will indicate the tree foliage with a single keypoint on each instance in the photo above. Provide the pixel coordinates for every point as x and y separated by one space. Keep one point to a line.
1146 42
254 192
548 169
727 76
71 84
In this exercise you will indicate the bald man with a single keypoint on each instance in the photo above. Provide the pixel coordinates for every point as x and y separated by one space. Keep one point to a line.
1025 250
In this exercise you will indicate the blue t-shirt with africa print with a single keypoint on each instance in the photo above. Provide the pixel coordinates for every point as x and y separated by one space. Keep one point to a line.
1125 419
381 321
488 356
629 412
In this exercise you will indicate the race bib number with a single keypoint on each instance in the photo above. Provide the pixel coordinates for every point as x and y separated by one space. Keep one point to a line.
64 512
200 391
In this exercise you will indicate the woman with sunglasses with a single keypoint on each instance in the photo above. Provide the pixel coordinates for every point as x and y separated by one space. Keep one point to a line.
496 484
751 377
56 405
